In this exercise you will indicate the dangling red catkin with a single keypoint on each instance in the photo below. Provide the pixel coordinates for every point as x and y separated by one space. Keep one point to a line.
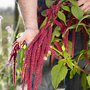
73 42
39 64
49 38
38 35
14 69
32 64
58 46
27 63
40 41
73 37
49 16
55 3
37 56
85 44
13 52
43 47
42 37
38 48
65 38
57 23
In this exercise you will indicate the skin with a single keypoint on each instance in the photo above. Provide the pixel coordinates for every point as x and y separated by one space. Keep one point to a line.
86 5
29 13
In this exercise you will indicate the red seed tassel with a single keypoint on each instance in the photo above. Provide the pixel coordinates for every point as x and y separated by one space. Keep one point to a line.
73 38
73 42
39 64
85 45
27 63
37 37
32 64
49 39
14 70
43 47
58 46
38 52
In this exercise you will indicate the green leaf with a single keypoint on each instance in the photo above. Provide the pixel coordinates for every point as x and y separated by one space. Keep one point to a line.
66 8
62 61
58 73
83 78
85 51
86 16
69 62
70 47
78 71
71 74
62 16
43 12
56 39
88 79
88 30
71 27
44 22
49 2
80 56
56 32
77 12
60 1
73 2
65 55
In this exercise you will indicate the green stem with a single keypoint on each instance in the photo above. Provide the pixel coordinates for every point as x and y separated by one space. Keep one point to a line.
81 69
57 50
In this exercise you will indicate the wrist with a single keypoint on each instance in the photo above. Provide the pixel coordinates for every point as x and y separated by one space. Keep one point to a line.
31 24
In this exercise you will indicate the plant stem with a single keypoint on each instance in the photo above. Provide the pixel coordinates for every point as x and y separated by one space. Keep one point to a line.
81 69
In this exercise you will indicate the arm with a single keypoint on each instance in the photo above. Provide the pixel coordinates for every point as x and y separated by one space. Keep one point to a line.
29 13
85 5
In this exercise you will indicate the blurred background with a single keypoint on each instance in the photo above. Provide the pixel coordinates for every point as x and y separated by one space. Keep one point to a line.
10 25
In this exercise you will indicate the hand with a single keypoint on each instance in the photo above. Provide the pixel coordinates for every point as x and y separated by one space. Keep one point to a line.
84 4
28 36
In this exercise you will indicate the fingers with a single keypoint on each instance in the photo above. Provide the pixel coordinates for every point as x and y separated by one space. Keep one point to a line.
81 2
21 39
45 58
86 7
84 4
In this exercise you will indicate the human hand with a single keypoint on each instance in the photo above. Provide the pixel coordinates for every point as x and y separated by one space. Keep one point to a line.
84 4
28 36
